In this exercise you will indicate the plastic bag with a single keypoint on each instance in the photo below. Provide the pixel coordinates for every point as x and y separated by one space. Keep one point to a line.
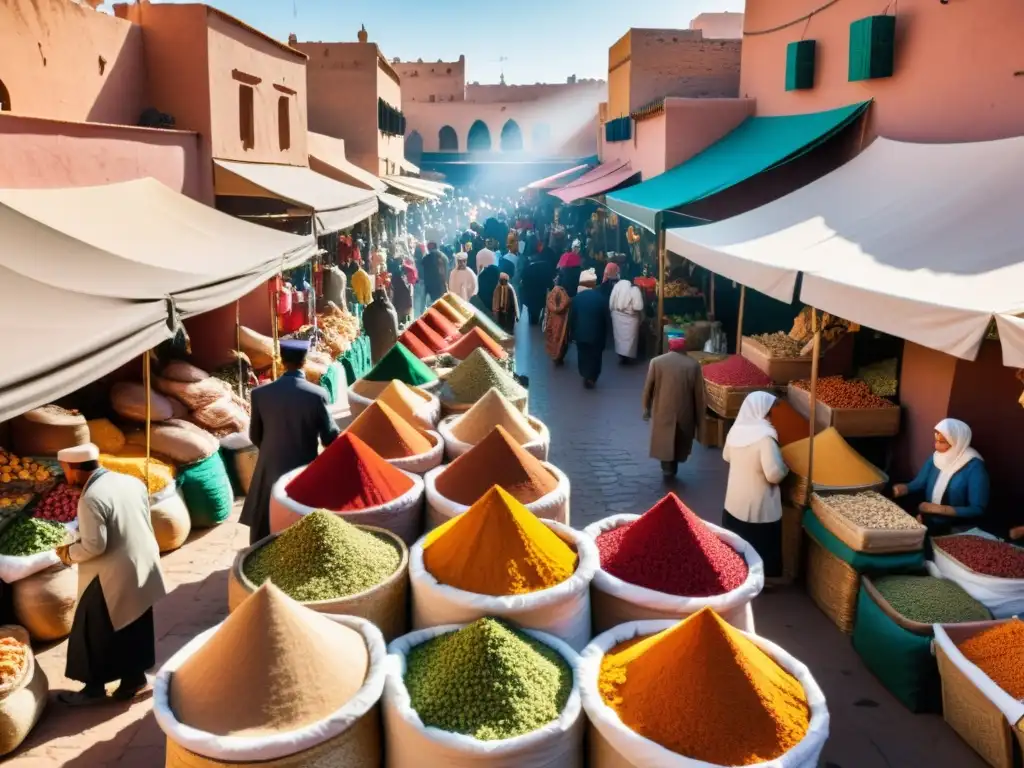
1004 597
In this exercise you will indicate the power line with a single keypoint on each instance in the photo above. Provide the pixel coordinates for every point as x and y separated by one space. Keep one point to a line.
794 22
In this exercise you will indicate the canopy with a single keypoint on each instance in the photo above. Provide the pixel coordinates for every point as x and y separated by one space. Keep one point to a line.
612 176
330 152
408 167
922 241
556 180
434 188
401 184
336 206
394 202
757 144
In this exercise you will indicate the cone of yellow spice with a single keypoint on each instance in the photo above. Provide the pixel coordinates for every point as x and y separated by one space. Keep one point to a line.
499 548
705 691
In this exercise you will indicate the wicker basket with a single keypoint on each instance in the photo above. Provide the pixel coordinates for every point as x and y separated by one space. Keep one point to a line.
726 401
860 539
832 585
849 422
792 542
795 487
782 370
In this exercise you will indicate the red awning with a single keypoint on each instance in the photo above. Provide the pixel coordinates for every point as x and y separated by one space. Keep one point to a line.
604 178
556 180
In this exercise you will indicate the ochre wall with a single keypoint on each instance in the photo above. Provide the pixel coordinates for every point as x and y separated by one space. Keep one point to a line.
619 77
674 62
390 149
432 81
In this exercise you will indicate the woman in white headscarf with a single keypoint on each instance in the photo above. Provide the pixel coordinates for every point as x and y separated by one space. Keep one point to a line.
753 503
953 483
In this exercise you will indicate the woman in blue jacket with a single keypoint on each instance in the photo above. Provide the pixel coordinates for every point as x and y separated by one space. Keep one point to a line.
954 482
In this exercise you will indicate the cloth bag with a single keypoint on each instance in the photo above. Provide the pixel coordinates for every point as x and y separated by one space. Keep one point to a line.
411 744
617 601
613 745
562 611
1004 597
170 518
423 462
453 447
22 705
207 491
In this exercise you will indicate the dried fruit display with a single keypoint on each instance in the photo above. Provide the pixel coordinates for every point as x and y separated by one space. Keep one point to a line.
736 371
13 658
779 344
985 556
837 392
60 504
15 469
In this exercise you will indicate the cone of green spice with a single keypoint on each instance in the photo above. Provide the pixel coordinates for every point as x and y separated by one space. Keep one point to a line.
399 363
488 680
322 557
473 377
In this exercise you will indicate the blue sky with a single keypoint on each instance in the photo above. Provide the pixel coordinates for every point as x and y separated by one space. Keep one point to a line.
543 40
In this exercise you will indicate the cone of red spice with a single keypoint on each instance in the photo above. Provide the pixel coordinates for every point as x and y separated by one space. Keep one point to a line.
669 549
441 324
476 339
415 345
347 477
427 336
388 434
496 460
736 371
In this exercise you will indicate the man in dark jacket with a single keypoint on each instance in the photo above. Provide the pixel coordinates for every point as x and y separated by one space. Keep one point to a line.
538 277
435 272
588 327
381 323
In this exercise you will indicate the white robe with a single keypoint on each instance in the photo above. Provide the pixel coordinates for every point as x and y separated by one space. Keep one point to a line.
627 305
463 283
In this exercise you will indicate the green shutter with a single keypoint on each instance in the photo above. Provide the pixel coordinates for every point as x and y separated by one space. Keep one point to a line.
800 65
872 48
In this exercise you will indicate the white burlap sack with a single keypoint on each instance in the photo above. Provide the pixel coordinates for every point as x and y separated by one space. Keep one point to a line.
553 506
403 516
170 519
617 602
613 745
1012 709
423 462
21 704
410 744
14 569
426 416
562 610
453 447
245 749
1003 597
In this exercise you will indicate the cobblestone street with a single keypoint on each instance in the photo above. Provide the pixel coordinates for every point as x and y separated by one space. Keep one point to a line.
600 441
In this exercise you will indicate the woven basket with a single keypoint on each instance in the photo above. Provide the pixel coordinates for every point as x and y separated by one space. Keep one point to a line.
22 705
794 487
45 603
832 585
861 539
385 605
792 542
21 635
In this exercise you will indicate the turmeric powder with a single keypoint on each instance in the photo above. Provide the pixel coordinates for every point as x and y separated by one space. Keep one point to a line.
836 464
498 547
705 691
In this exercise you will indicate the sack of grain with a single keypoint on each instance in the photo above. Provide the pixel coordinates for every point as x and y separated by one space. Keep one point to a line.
178 408
106 435
45 603
194 394
207 491
222 416
132 461
180 441
128 400
22 705
170 519
44 431
179 370
258 348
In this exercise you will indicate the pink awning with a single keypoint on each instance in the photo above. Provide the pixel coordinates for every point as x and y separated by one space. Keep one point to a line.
605 177
557 179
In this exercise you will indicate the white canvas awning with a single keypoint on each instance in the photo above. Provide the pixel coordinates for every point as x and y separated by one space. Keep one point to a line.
922 241
402 185
394 202
337 206
330 152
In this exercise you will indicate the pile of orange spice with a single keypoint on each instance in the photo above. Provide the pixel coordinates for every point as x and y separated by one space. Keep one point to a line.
391 436
999 653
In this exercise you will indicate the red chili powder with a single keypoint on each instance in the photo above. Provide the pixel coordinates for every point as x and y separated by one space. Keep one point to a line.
476 339
433 340
447 310
790 425
736 371
347 477
415 345
669 549
440 324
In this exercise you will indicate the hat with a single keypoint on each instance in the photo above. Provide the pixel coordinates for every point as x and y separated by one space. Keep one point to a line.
295 346
79 454
588 277
677 344
462 256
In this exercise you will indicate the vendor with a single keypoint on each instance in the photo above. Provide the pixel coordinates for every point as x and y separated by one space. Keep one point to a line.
954 482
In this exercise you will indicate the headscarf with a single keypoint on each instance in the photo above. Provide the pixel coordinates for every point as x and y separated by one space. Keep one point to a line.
752 423
503 294
958 434
569 260
588 278
611 271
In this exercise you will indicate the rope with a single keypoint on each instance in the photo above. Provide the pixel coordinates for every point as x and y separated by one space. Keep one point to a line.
149 412
794 22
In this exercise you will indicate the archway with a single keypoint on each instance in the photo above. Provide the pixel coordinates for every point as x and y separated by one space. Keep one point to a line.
541 137
479 139
448 139
413 147
5 98
511 137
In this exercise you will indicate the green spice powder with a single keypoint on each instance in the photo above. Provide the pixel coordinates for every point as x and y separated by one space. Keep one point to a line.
322 557
399 363
470 379
487 680
930 600
30 536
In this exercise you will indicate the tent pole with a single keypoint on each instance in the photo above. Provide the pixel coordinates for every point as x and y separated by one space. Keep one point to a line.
661 290
739 320
815 355
313 269
273 323
711 292
149 411
238 344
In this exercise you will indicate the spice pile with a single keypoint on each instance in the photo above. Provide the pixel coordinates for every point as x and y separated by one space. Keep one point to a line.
60 504
462 307
705 691
440 324
836 464
928 600
490 411
496 460
272 666
404 400
984 556
871 510
498 547
415 344
399 363
669 549
387 433
790 425
999 653
131 460
13 658
15 469
488 326
470 379
488 680
736 371
448 311
347 477
476 339
322 557
427 336
779 344
881 377
837 392
30 536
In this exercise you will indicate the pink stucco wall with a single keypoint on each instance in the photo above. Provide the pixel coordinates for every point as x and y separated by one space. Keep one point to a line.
432 81
390 149
956 66
727 25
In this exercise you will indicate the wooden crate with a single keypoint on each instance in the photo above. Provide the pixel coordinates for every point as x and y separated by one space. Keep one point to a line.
860 539
781 369
711 430
848 422
726 401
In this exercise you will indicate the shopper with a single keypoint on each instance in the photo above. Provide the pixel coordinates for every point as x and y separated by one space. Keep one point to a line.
505 305
627 307
380 320
588 328
673 401
462 281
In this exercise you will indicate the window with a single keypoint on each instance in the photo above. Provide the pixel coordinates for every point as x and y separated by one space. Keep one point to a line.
479 139
511 137
390 121
619 129
5 98
246 118
447 139
284 123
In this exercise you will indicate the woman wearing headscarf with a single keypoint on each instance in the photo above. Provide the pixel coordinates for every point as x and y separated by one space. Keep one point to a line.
953 482
627 307
753 503
505 305
556 323
609 279
569 269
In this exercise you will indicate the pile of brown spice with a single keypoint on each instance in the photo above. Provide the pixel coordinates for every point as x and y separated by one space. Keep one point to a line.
389 434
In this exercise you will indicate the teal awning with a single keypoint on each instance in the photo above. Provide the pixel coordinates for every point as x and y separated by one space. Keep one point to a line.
757 144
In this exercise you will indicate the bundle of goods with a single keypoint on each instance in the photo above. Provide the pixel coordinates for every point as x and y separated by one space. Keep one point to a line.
668 564
848 405
128 401
240 457
211 403
131 460
499 559
23 474
59 504
274 684
982 669
881 377
991 571
473 377
780 356
461 432
837 467
498 459
260 349
44 431
396 440
473 340
23 688
170 518
789 424
728 383
350 479
459 304
869 522
238 378
441 325
485 693
832 328
43 591
207 490
893 632
699 693
398 364
180 441
338 328
415 405
330 566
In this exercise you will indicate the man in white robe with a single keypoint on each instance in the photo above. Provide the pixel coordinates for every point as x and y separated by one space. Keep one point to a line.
627 306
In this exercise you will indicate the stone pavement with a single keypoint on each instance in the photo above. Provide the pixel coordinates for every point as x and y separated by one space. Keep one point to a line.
600 441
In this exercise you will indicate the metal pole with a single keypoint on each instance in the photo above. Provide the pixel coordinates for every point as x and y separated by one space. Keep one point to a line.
661 289
312 276
711 292
149 411
739 320
816 353
273 322
238 344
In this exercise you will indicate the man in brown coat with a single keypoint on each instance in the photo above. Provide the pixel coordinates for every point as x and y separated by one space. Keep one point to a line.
674 404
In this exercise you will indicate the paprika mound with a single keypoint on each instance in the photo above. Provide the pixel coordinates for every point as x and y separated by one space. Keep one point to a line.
705 691
470 379
790 425
413 343
440 324
404 400
669 549
490 411
499 548
448 311
272 666
999 653
399 363
428 336
387 433
496 460
836 464
476 339
347 477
